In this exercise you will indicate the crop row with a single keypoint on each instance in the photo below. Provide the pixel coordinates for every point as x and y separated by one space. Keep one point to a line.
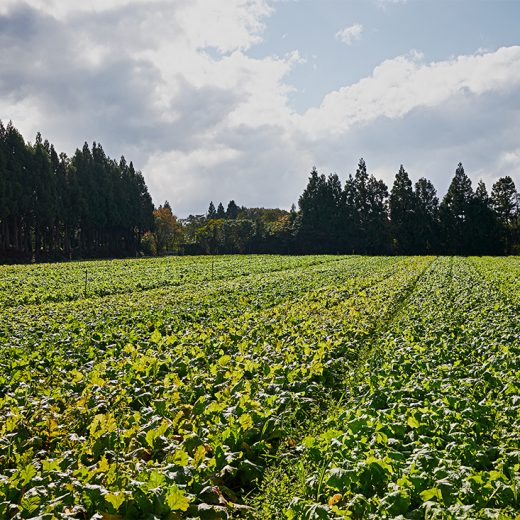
125 317
41 283
430 427
162 403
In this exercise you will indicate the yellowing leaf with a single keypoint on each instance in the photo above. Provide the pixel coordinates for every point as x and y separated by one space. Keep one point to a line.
52 426
103 465
150 437
333 500
27 474
115 499
156 336
50 465
180 457
413 422
199 455
246 421
109 424
214 407
77 376
102 423
156 480
129 348
177 500
30 503
496 475
382 438
224 360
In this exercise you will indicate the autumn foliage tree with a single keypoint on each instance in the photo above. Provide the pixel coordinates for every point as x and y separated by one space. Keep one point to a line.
167 231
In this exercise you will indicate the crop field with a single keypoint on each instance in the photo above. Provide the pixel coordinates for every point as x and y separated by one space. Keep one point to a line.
315 387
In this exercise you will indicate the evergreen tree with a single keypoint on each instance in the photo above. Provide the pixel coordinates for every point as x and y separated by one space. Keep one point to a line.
403 214
220 211
333 218
355 208
455 213
44 199
504 201
4 191
377 223
366 212
212 212
427 214
484 225
232 210
318 225
51 206
307 221
19 193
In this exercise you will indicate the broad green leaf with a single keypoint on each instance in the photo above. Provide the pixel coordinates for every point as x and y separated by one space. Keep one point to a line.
150 437
27 474
30 503
428 494
180 457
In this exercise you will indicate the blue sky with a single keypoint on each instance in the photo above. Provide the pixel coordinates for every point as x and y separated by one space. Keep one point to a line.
217 100
439 29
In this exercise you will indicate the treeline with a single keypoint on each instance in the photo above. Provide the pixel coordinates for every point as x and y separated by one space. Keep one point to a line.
89 205
55 207
363 216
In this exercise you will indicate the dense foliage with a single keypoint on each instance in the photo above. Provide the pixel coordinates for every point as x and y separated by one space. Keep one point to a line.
431 425
52 206
260 387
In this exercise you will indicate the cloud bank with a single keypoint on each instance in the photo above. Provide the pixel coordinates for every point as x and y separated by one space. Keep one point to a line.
174 87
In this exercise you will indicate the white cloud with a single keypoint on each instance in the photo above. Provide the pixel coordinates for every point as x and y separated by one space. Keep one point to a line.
386 3
62 9
349 34
188 172
511 158
227 26
508 163
400 85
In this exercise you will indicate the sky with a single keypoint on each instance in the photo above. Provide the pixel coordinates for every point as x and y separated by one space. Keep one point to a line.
216 100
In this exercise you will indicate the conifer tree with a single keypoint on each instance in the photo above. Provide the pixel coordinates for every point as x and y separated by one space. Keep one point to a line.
427 214
504 201
403 213
212 212
455 212
232 210
221 213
